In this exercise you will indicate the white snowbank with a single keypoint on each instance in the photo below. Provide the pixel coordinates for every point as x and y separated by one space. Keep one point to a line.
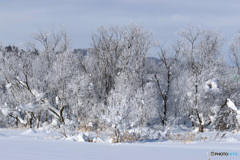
29 132
232 140
81 137
71 139
97 140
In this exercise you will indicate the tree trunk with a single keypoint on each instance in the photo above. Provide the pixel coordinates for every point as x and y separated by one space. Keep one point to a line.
39 119
200 129
192 121
30 122
61 114
16 122
46 117
164 113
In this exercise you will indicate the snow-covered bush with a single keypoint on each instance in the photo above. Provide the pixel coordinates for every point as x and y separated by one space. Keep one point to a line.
227 117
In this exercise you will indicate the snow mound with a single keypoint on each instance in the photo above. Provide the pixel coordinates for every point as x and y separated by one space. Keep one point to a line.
81 137
231 140
70 139
97 140
29 132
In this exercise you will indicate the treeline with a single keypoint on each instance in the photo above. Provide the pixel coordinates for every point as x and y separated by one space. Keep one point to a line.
114 85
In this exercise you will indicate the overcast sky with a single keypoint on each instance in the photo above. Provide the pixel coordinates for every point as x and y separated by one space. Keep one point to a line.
81 18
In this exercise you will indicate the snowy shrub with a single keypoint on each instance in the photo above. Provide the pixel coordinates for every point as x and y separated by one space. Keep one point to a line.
226 119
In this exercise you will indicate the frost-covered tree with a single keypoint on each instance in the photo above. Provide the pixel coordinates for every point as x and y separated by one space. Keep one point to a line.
116 67
165 73
235 51
202 56
30 78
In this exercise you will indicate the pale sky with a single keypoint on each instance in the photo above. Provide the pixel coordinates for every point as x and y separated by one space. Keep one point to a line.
81 18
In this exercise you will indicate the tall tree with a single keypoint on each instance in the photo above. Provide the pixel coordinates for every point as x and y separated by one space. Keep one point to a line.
202 56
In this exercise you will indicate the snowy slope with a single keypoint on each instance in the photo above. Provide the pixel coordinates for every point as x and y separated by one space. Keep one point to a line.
33 146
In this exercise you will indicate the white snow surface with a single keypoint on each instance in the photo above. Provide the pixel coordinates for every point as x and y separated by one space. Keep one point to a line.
41 145
29 132
231 105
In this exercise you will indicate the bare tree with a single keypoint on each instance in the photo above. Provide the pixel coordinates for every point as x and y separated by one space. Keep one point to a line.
165 74
117 57
235 53
202 55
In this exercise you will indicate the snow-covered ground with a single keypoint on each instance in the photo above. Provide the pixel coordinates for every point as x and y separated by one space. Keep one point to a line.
31 145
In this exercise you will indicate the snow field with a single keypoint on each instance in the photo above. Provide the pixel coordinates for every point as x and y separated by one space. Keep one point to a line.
38 145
